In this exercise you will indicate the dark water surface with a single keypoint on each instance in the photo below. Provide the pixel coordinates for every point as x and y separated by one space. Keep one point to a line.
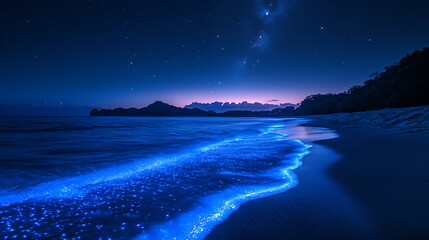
142 177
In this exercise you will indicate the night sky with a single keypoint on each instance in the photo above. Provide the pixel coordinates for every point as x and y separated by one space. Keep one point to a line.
131 53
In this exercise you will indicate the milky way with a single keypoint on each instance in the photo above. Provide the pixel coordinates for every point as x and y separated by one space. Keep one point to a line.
111 54
267 11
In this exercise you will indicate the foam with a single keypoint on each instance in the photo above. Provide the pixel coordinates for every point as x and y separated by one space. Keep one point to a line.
175 196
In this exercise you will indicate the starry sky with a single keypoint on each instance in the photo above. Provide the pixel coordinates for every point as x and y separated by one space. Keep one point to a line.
131 53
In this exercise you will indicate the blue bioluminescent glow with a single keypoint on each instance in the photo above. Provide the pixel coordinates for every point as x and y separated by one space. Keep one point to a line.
170 196
214 209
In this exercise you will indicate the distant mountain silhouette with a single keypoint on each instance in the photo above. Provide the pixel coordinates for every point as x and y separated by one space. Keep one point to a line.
159 108
404 84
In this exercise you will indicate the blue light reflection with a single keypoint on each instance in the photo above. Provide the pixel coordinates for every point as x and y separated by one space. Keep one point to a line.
175 196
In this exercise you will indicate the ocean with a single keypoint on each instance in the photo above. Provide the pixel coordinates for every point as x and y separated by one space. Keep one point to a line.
137 177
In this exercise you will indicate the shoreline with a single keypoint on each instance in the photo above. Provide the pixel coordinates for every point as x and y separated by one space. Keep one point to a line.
346 191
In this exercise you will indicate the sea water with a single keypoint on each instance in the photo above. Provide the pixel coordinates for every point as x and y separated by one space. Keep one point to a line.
137 177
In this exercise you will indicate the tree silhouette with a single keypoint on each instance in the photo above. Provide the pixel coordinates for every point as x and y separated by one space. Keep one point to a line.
403 84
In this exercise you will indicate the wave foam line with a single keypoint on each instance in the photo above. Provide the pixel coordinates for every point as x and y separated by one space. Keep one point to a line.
198 223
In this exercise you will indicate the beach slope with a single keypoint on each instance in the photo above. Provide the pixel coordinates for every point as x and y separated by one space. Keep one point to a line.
372 182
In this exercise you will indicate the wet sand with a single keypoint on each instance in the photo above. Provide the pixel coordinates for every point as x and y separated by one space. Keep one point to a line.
366 184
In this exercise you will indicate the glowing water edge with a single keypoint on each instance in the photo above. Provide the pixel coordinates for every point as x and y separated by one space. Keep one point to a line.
191 174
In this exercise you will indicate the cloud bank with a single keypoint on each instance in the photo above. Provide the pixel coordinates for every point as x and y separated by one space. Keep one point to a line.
221 107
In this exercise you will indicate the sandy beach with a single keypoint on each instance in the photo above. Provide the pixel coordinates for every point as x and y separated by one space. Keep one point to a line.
369 183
